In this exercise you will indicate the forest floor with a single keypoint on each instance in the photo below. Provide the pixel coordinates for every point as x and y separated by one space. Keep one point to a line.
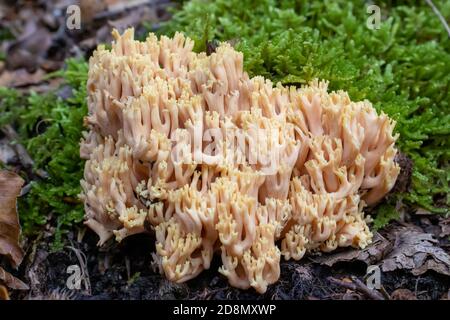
412 255
412 265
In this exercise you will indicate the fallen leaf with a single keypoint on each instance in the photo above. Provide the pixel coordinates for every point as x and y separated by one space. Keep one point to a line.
350 295
445 227
30 49
4 295
403 294
418 252
21 78
429 226
370 255
89 8
129 20
11 282
10 186
446 296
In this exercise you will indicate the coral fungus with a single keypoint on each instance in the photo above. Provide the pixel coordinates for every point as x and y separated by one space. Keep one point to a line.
217 162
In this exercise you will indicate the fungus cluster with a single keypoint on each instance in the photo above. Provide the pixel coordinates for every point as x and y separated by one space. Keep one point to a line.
216 162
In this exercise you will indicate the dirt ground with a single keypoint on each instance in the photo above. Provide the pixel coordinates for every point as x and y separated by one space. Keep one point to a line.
123 271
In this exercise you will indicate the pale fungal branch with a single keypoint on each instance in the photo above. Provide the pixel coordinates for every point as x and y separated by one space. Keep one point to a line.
221 163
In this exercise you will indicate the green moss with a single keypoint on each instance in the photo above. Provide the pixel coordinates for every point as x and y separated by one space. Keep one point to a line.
385 213
50 129
403 67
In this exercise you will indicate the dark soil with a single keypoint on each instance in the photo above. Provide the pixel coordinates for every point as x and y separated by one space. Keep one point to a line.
123 271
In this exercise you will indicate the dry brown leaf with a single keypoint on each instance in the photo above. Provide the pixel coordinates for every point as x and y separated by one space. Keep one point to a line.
403 294
89 8
370 255
10 186
21 78
10 281
30 49
418 252
4 295
127 21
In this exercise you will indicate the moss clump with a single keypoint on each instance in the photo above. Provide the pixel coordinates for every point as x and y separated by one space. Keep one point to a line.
403 67
50 129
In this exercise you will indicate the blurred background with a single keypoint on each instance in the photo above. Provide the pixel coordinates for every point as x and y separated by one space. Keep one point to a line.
37 36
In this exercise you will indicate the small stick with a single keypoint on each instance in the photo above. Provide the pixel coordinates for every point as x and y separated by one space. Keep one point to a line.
359 286
84 268
438 13
23 155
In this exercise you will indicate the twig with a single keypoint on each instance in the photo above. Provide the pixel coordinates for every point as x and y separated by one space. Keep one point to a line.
128 267
359 286
385 293
416 285
440 16
84 268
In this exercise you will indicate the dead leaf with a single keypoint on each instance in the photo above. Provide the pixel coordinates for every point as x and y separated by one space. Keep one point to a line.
430 226
30 49
370 255
445 227
446 296
129 20
403 294
423 212
115 7
4 295
10 186
89 8
21 78
418 252
350 295
11 282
